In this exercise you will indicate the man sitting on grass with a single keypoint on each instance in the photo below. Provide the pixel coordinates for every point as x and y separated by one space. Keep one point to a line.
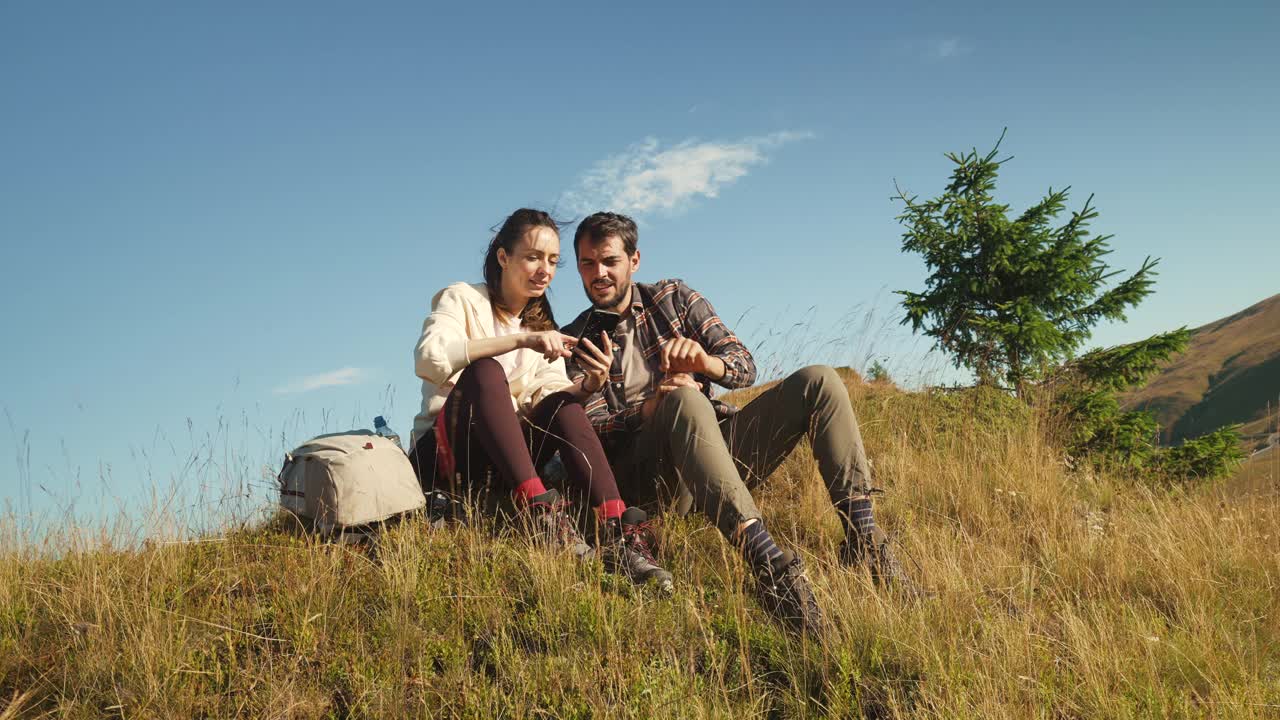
670 443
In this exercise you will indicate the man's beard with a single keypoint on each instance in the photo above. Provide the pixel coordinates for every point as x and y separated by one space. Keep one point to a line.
613 303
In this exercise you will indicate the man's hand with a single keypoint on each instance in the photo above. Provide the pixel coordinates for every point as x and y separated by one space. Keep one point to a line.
595 362
670 382
677 380
685 355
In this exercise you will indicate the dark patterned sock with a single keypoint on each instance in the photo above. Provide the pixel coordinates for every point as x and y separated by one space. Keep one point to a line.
757 546
856 513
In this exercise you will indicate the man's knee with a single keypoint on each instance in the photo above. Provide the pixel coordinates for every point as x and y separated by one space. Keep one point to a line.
818 384
686 403
820 376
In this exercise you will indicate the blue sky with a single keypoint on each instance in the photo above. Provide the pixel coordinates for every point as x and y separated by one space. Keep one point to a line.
222 226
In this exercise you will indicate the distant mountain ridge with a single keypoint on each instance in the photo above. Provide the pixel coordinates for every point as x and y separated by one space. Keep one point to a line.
1230 373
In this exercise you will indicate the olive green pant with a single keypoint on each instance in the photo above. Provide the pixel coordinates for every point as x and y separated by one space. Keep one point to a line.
685 459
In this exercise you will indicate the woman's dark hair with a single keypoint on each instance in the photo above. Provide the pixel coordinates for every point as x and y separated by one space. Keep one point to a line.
536 315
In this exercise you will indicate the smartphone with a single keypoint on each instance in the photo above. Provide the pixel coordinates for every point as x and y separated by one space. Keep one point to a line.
597 322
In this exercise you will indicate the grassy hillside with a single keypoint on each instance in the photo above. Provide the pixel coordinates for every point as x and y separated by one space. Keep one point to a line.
1060 596
1228 374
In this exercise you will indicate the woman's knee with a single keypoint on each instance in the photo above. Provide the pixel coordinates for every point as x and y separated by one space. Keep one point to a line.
573 412
567 412
485 372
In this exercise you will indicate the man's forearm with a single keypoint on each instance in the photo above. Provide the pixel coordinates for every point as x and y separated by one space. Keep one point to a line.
739 367
715 369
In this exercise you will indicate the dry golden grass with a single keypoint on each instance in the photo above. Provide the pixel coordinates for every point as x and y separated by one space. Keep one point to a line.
1060 596
1260 474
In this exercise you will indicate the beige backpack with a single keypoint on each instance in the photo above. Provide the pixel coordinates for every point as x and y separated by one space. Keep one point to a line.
348 480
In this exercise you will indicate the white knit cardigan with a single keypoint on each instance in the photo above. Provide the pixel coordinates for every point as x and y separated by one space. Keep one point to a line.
461 313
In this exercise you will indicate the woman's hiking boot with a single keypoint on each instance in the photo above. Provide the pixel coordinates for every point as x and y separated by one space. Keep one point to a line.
626 550
548 521
784 592
876 554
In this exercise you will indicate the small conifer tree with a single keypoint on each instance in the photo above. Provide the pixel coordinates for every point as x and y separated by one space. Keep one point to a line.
1008 297
878 373
1013 299
1085 394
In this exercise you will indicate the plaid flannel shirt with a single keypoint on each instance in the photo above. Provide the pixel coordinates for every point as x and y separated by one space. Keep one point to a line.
664 310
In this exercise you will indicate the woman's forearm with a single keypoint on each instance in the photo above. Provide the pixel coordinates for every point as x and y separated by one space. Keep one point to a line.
481 348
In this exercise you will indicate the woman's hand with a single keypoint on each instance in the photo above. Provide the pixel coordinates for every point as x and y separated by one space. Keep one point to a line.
552 344
595 363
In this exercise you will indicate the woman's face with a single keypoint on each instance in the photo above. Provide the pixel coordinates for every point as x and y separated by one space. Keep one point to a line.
528 269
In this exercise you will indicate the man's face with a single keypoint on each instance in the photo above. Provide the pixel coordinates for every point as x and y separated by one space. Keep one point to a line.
606 271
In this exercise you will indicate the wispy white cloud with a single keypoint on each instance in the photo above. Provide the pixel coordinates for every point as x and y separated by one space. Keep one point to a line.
949 48
345 376
645 177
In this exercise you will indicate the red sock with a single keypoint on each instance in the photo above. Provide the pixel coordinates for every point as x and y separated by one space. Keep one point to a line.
528 489
610 509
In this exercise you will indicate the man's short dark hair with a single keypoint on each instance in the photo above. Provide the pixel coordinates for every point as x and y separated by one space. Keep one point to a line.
598 227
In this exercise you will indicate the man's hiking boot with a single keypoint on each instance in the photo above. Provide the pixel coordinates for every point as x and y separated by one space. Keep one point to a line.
626 550
877 555
549 523
783 591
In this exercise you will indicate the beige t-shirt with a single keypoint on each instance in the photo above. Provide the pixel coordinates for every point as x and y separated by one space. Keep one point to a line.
508 360
640 379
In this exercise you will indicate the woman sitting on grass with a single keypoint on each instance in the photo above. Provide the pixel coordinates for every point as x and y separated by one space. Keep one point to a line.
497 403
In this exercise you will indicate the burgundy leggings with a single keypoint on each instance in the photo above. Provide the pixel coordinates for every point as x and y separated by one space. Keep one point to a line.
482 431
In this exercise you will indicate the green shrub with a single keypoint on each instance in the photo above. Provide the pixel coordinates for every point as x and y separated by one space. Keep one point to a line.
1207 457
